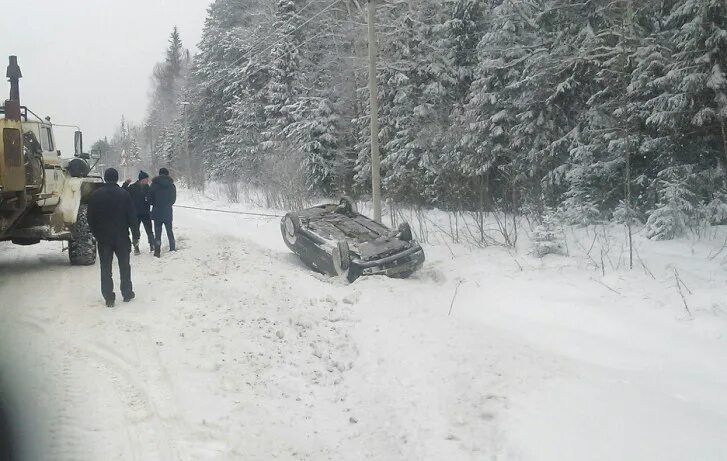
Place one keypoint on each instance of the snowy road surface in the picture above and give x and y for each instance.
(233, 350)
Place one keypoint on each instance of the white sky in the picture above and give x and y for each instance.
(87, 62)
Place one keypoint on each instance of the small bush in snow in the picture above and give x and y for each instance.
(715, 212)
(624, 214)
(548, 238)
(675, 209)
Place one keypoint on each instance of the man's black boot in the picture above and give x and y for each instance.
(110, 302)
(129, 297)
(136, 249)
(157, 252)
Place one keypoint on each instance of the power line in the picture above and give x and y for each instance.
(248, 213)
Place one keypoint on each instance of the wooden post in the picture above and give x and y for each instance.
(375, 159)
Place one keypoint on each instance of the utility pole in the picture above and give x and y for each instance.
(627, 182)
(375, 160)
(150, 138)
(187, 157)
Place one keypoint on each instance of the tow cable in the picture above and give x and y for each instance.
(247, 213)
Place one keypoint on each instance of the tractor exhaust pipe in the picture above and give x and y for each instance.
(12, 106)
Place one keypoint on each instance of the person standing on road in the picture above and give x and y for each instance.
(162, 195)
(139, 192)
(111, 214)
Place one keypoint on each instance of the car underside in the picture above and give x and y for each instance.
(336, 240)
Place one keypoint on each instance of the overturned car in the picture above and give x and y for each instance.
(336, 240)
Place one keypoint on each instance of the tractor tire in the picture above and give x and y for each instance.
(82, 246)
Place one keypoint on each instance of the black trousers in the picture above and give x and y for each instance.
(106, 252)
(145, 219)
(158, 233)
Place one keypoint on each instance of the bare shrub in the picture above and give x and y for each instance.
(231, 187)
(284, 185)
(491, 228)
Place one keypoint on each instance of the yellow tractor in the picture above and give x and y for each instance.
(43, 196)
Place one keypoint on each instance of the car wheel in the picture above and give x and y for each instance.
(347, 205)
(290, 228)
(405, 232)
(341, 257)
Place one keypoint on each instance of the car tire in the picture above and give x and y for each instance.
(290, 228)
(341, 257)
(82, 246)
(405, 232)
(348, 205)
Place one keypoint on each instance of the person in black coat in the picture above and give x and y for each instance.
(139, 192)
(111, 214)
(162, 195)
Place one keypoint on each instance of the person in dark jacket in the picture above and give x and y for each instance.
(139, 192)
(111, 214)
(162, 195)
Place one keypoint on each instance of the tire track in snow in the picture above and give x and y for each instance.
(222, 322)
(98, 393)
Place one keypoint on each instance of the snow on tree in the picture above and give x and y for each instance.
(283, 87)
(607, 109)
(675, 210)
(548, 238)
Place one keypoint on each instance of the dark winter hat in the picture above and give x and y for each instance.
(143, 175)
(163, 172)
(111, 175)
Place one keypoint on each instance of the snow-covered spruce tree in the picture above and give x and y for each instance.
(314, 129)
(283, 86)
(675, 210)
(456, 39)
(317, 126)
(689, 109)
(134, 154)
(458, 36)
(119, 145)
(240, 152)
(548, 237)
(215, 82)
(553, 91)
(486, 150)
(169, 89)
(406, 110)
(624, 63)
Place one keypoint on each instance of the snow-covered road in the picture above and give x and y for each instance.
(233, 350)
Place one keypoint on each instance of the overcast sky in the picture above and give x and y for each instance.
(87, 62)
